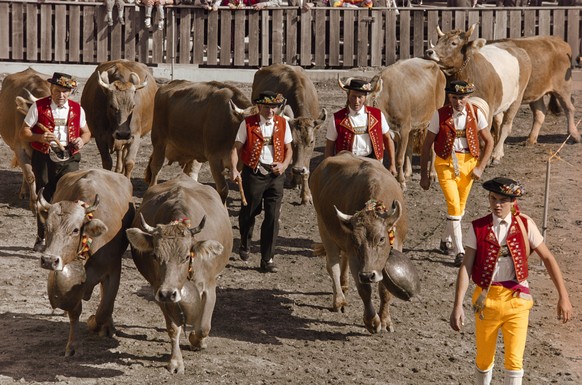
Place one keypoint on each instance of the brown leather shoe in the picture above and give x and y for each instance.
(268, 267)
(244, 255)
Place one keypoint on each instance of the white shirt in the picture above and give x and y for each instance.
(362, 145)
(267, 127)
(505, 271)
(60, 115)
(459, 120)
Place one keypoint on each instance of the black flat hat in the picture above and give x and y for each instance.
(269, 98)
(63, 80)
(504, 186)
(460, 87)
(358, 85)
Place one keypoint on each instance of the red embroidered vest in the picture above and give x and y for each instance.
(346, 134)
(488, 250)
(45, 117)
(445, 139)
(251, 150)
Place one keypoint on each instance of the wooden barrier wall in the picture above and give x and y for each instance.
(77, 32)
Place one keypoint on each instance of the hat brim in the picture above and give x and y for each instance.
(51, 81)
(348, 88)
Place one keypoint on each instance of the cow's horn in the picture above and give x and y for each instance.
(440, 33)
(144, 224)
(471, 29)
(343, 217)
(31, 97)
(396, 212)
(339, 81)
(103, 78)
(134, 78)
(197, 229)
(235, 108)
(430, 43)
(41, 203)
(93, 207)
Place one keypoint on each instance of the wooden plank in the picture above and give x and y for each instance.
(559, 23)
(473, 18)
(130, 32)
(405, 42)
(171, 48)
(529, 17)
(239, 38)
(116, 37)
(277, 36)
(254, 31)
(391, 43)
(377, 43)
(46, 35)
(18, 31)
(334, 37)
(447, 20)
(419, 33)
(487, 29)
(31, 32)
(198, 17)
(102, 35)
(362, 36)
(306, 37)
(431, 33)
(4, 31)
(514, 24)
(88, 50)
(348, 37)
(544, 22)
(460, 20)
(158, 49)
(500, 31)
(225, 37)
(573, 35)
(265, 37)
(60, 28)
(291, 41)
(143, 48)
(212, 33)
(320, 37)
(184, 16)
(74, 31)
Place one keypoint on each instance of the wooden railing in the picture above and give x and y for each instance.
(77, 32)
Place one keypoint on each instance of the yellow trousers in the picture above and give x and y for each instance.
(511, 315)
(455, 188)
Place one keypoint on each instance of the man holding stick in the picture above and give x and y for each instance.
(56, 129)
(263, 143)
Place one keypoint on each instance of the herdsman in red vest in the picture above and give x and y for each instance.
(56, 129)
(455, 130)
(263, 143)
(498, 247)
(358, 128)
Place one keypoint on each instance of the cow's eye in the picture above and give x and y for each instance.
(382, 241)
(75, 231)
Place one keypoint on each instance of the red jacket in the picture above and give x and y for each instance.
(45, 117)
(346, 134)
(251, 150)
(445, 139)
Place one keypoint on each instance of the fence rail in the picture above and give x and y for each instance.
(77, 32)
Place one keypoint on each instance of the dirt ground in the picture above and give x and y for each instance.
(277, 328)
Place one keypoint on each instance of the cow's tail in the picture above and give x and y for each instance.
(318, 250)
(554, 106)
(148, 172)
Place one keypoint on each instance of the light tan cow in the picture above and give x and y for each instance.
(181, 262)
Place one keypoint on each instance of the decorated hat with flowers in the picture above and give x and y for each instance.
(357, 85)
(504, 186)
(460, 87)
(63, 80)
(270, 98)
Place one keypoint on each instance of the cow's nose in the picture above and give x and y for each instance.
(121, 135)
(429, 53)
(50, 262)
(367, 277)
(169, 295)
(299, 170)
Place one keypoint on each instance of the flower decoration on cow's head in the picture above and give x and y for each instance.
(460, 87)
(270, 98)
(63, 80)
(184, 221)
(504, 186)
(376, 206)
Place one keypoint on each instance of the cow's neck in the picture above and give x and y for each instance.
(453, 72)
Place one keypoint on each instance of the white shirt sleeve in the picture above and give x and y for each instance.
(481, 121)
(534, 236)
(288, 136)
(241, 135)
(32, 116)
(83, 118)
(385, 126)
(331, 133)
(433, 126)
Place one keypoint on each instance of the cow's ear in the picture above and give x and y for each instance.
(140, 240)
(208, 249)
(95, 227)
(396, 213)
(477, 44)
(321, 118)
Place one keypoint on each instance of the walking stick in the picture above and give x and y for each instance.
(243, 199)
(43, 127)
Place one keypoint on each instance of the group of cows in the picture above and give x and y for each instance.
(181, 237)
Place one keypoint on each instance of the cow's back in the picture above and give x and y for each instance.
(179, 197)
(293, 83)
(412, 89)
(195, 120)
(95, 104)
(348, 182)
(13, 86)
(115, 192)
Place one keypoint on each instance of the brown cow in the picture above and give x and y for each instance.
(193, 123)
(118, 100)
(551, 59)
(84, 244)
(24, 86)
(411, 91)
(182, 263)
(294, 84)
(361, 215)
(500, 72)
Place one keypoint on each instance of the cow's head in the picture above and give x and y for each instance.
(453, 50)
(372, 231)
(174, 248)
(121, 99)
(69, 228)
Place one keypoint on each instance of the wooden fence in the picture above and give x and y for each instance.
(77, 32)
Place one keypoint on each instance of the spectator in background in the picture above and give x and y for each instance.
(149, 6)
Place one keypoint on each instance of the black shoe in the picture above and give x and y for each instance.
(268, 267)
(446, 247)
(244, 255)
(459, 259)
(39, 245)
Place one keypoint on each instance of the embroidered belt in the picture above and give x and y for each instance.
(461, 133)
(359, 130)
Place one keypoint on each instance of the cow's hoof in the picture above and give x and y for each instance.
(197, 343)
(70, 350)
(103, 330)
(529, 143)
(176, 367)
(373, 326)
(495, 161)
